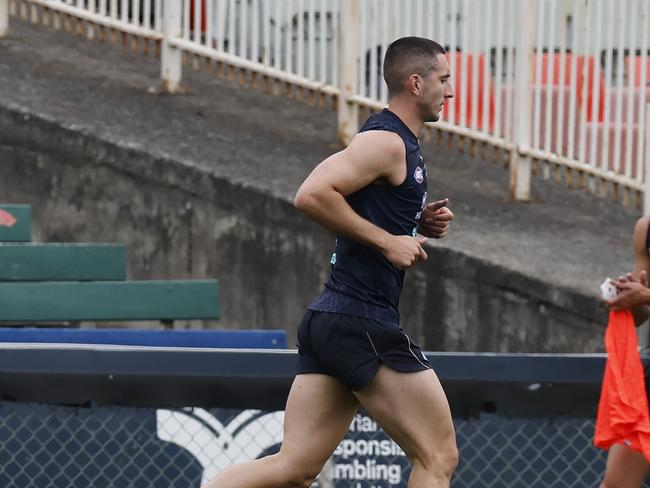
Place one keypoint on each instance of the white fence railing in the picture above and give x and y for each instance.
(140, 18)
(573, 107)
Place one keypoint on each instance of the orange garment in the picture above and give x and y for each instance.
(623, 409)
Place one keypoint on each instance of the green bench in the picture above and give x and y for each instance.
(62, 262)
(109, 300)
(86, 282)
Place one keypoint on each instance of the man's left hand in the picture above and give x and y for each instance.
(435, 220)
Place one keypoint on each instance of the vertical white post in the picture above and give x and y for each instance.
(171, 60)
(646, 183)
(348, 112)
(520, 161)
(4, 17)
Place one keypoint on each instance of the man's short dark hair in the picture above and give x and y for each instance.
(406, 56)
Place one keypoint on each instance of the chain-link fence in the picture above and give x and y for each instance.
(56, 446)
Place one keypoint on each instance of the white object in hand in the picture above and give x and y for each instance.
(608, 289)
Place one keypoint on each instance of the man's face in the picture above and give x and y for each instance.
(436, 89)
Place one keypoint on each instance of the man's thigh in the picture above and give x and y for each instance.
(412, 408)
(318, 414)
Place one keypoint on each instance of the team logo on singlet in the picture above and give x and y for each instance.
(418, 175)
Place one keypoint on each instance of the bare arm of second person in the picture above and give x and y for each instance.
(371, 156)
(633, 288)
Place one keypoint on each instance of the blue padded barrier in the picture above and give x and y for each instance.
(212, 338)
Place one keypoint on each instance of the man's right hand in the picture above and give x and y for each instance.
(404, 251)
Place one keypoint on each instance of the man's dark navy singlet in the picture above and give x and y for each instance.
(363, 282)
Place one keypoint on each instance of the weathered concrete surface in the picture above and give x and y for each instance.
(201, 185)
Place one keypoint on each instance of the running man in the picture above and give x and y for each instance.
(352, 350)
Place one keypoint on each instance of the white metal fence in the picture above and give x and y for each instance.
(93, 18)
(574, 107)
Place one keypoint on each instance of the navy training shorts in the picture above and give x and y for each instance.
(352, 348)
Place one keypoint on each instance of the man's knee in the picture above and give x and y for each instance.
(449, 458)
(300, 482)
(297, 474)
(441, 459)
(299, 478)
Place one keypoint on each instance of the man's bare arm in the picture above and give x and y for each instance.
(371, 156)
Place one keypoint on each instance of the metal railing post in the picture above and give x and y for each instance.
(4, 17)
(520, 160)
(646, 182)
(348, 38)
(171, 56)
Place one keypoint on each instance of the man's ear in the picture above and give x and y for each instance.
(415, 84)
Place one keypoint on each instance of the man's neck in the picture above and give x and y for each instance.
(407, 114)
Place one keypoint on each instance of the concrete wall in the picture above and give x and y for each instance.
(179, 221)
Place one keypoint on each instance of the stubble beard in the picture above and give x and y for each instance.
(433, 118)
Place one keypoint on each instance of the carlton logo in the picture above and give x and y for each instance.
(418, 175)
